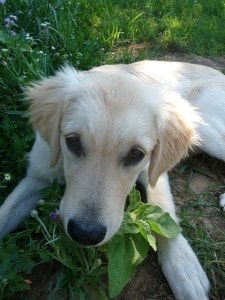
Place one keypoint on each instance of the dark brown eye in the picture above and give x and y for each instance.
(134, 156)
(74, 144)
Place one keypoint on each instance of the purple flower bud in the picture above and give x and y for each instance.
(54, 216)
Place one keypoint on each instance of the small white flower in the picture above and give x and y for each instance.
(7, 177)
(98, 262)
(13, 17)
(45, 24)
(28, 37)
(41, 202)
(34, 213)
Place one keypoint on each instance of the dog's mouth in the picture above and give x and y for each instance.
(91, 233)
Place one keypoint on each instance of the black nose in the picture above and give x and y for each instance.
(87, 234)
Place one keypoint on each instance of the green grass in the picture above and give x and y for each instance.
(41, 36)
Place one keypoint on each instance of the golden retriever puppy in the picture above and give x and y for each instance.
(105, 129)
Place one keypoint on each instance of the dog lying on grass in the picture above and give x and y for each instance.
(107, 128)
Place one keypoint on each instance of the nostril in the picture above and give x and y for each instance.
(87, 234)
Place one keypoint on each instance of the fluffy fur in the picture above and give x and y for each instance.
(106, 128)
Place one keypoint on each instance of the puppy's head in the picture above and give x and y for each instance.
(107, 128)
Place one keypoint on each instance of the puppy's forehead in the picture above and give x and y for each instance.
(110, 106)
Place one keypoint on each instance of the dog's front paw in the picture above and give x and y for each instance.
(222, 202)
(182, 269)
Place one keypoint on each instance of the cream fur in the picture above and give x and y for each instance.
(162, 109)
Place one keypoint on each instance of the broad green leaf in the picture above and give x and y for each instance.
(152, 241)
(128, 228)
(149, 212)
(6, 38)
(160, 221)
(12, 41)
(146, 232)
(165, 226)
(125, 252)
(23, 46)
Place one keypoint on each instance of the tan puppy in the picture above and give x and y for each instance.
(106, 128)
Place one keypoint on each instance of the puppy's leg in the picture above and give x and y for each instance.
(210, 103)
(222, 201)
(178, 261)
(213, 142)
(25, 196)
(19, 203)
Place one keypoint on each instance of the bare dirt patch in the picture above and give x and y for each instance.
(216, 63)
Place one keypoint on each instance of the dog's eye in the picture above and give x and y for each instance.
(73, 143)
(134, 156)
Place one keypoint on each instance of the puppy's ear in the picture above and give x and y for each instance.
(47, 98)
(176, 131)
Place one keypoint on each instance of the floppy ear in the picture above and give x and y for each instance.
(176, 126)
(47, 98)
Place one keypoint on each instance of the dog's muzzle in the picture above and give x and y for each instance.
(87, 234)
